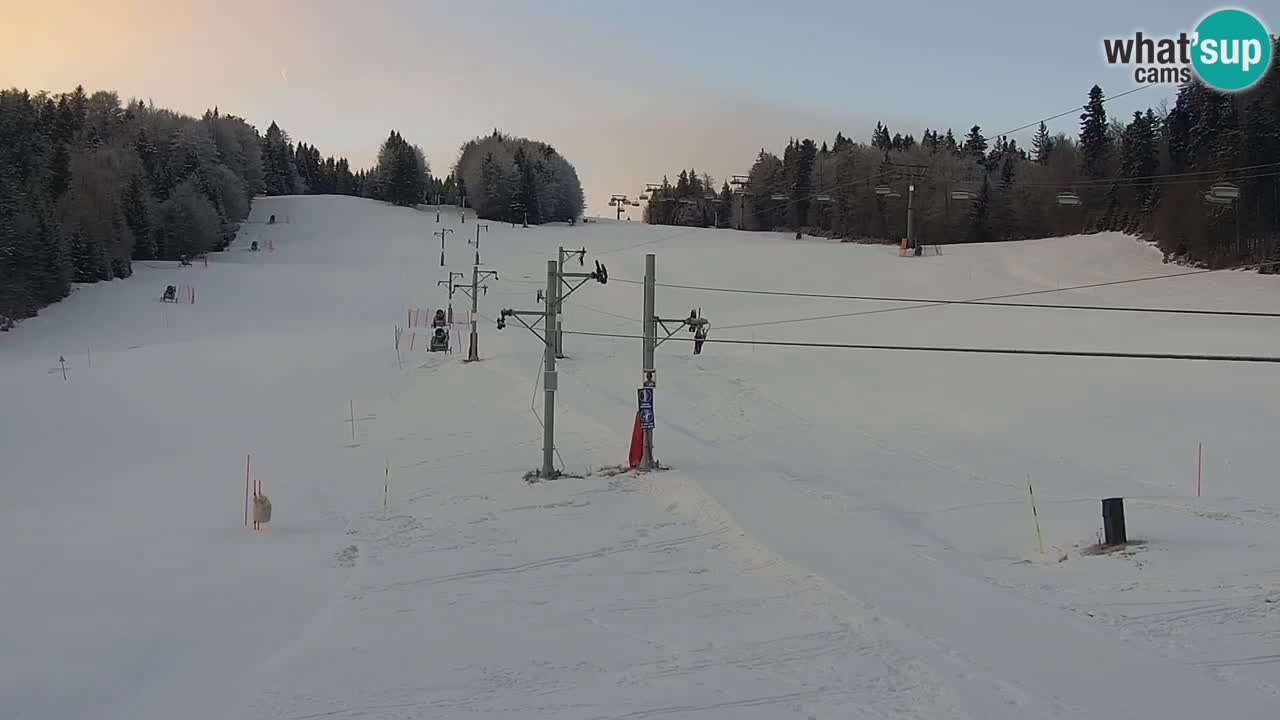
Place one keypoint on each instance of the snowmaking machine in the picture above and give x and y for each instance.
(439, 333)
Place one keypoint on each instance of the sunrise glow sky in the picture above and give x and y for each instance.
(627, 91)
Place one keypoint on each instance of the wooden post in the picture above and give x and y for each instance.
(1199, 468)
(246, 490)
(1035, 515)
(353, 421)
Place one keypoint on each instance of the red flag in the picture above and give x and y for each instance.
(637, 444)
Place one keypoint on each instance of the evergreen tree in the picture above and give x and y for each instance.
(980, 214)
(1095, 142)
(726, 206)
(1006, 225)
(279, 173)
(950, 143)
(806, 156)
(60, 172)
(1042, 145)
(975, 145)
(137, 214)
(1138, 159)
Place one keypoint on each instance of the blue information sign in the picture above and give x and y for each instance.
(645, 398)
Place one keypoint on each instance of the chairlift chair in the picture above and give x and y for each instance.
(1226, 191)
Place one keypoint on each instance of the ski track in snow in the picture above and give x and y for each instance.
(843, 535)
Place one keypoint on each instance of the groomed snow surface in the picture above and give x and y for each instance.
(844, 533)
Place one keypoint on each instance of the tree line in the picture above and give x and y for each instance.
(89, 185)
(1145, 174)
(517, 180)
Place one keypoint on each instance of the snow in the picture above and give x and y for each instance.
(844, 534)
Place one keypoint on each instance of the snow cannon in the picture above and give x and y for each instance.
(440, 340)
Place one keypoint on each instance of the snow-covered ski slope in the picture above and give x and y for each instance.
(845, 533)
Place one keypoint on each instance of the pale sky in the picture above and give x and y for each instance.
(627, 91)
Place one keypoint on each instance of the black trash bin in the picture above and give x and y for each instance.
(1113, 521)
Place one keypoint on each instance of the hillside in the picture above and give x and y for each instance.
(844, 533)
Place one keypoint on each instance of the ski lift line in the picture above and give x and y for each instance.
(1065, 113)
(1028, 293)
(1177, 175)
(987, 303)
(603, 312)
(971, 350)
(1141, 182)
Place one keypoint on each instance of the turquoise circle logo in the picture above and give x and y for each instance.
(1232, 50)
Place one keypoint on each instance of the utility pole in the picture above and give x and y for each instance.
(740, 184)
(550, 381)
(437, 207)
(561, 255)
(477, 243)
(549, 377)
(473, 351)
(620, 201)
(442, 232)
(912, 172)
(911, 198)
(649, 374)
(448, 285)
(551, 299)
